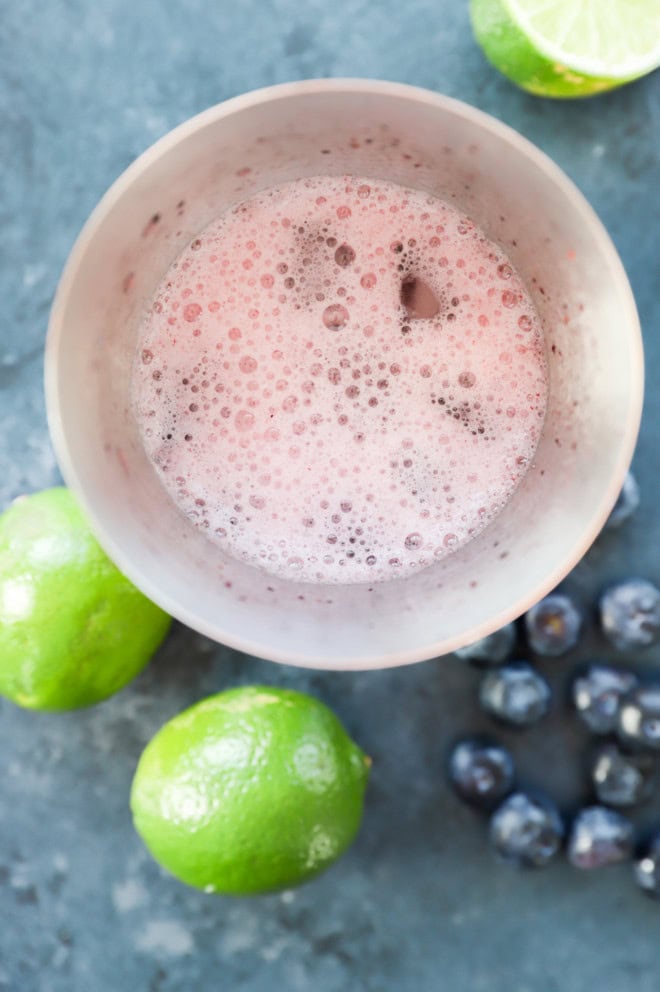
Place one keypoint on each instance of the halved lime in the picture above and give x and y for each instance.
(569, 48)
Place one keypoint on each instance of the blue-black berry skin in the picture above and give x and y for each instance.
(621, 779)
(626, 504)
(516, 694)
(553, 625)
(599, 837)
(526, 831)
(639, 718)
(481, 772)
(630, 614)
(597, 694)
(647, 868)
(492, 649)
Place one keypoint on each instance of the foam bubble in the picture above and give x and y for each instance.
(335, 316)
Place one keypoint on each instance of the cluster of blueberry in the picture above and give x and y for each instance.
(526, 828)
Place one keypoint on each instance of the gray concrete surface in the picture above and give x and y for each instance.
(418, 904)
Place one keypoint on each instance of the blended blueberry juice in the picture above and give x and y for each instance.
(340, 380)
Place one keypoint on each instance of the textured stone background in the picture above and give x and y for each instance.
(418, 904)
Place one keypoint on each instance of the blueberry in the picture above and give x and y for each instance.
(622, 779)
(639, 717)
(553, 625)
(599, 837)
(492, 649)
(480, 772)
(647, 869)
(626, 504)
(515, 693)
(597, 696)
(630, 614)
(526, 830)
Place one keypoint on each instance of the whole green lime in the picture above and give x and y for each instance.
(249, 791)
(73, 629)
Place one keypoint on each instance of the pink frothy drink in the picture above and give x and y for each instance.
(341, 380)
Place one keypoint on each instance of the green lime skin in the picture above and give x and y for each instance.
(252, 790)
(73, 629)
